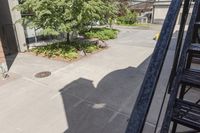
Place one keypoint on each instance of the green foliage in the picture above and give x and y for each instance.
(110, 11)
(101, 33)
(53, 16)
(65, 50)
(87, 47)
(85, 12)
(129, 18)
(122, 6)
(91, 49)
(61, 16)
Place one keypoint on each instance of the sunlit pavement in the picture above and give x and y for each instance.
(93, 95)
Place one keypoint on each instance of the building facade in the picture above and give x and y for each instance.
(160, 9)
(3, 66)
(12, 37)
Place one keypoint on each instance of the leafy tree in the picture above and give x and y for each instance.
(64, 16)
(110, 11)
(53, 16)
(87, 12)
(123, 7)
(129, 18)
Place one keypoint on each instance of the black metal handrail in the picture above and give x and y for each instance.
(181, 64)
(184, 17)
(143, 102)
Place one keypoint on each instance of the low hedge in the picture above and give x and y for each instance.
(101, 33)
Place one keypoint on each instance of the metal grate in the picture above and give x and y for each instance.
(43, 74)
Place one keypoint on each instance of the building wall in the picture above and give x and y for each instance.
(5, 15)
(3, 67)
(12, 33)
(160, 11)
(159, 14)
(12, 38)
(2, 57)
(16, 15)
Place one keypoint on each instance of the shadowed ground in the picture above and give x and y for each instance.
(92, 95)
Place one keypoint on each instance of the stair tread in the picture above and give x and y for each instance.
(197, 23)
(191, 77)
(195, 48)
(187, 113)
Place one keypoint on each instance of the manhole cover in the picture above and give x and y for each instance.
(43, 74)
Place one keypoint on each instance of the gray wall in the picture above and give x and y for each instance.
(12, 34)
(9, 40)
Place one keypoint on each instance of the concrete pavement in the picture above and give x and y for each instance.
(93, 95)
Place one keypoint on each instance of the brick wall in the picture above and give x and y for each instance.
(3, 67)
(2, 57)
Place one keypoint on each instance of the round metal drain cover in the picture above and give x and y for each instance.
(43, 74)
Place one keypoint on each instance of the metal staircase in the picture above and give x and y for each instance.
(182, 79)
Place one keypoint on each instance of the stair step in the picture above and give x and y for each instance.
(194, 48)
(197, 23)
(187, 114)
(196, 60)
(191, 77)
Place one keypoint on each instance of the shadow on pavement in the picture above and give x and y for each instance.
(106, 107)
(10, 60)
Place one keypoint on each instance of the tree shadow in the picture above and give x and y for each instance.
(106, 107)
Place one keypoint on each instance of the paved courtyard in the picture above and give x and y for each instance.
(93, 95)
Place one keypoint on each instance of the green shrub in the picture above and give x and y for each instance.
(129, 18)
(91, 49)
(71, 55)
(101, 33)
(64, 50)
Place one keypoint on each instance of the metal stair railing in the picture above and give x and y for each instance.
(180, 70)
(184, 17)
(144, 99)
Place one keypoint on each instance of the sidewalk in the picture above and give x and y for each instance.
(93, 95)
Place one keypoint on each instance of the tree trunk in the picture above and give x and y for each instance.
(91, 26)
(68, 37)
